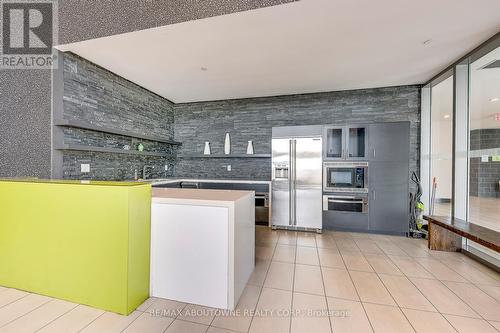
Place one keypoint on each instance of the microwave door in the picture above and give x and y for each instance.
(342, 177)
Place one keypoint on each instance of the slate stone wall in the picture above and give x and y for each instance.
(253, 119)
(96, 97)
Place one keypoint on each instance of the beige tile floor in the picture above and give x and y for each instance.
(304, 282)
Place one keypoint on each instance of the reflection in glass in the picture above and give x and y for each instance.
(334, 143)
(484, 141)
(442, 145)
(357, 142)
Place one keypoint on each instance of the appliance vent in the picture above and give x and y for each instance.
(493, 64)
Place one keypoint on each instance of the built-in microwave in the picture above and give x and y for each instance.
(345, 177)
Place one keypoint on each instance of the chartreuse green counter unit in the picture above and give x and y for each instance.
(85, 242)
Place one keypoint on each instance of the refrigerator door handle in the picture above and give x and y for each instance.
(346, 201)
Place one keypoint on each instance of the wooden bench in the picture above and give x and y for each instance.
(445, 234)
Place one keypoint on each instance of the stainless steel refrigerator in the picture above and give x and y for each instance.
(297, 178)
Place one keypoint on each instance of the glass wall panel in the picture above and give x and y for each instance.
(461, 178)
(425, 146)
(484, 141)
(442, 147)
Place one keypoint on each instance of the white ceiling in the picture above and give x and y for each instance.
(484, 89)
(302, 47)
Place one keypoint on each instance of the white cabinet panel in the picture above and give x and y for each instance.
(189, 254)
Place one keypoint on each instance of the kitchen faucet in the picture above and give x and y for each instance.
(145, 169)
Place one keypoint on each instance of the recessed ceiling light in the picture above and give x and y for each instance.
(446, 116)
(494, 99)
(203, 68)
(427, 42)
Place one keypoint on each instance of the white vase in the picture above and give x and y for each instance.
(227, 145)
(250, 148)
(206, 151)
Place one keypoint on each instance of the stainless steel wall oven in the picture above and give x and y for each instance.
(346, 203)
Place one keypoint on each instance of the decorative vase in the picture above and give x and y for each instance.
(206, 151)
(227, 145)
(250, 148)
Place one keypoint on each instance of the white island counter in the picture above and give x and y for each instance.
(202, 245)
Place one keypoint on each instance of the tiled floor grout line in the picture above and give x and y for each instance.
(175, 318)
(260, 292)
(416, 288)
(458, 273)
(451, 324)
(463, 300)
(359, 297)
(491, 325)
(361, 302)
(324, 289)
(444, 263)
(442, 315)
(481, 286)
(17, 299)
(408, 320)
(367, 302)
(399, 306)
(435, 278)
(467, 281)
(187, 321)
(131, 322)
(77, 305)
(142, 312)
(225, 329)
(386, 289)
(84, 327)
(212, 321)
(293, 288)
(488, 271)
(50, 300)
(404, 275)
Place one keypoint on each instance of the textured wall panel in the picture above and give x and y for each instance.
(25, 123)
(95, 96)
(87, 19)
(252, 119)
(100, 98)
(105, 166)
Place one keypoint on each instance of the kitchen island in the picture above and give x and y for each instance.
(202, 245)
(262, 189)
(82, 241)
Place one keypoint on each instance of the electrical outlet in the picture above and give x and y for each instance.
(229, 167)
(85, 168)
(166, 167)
